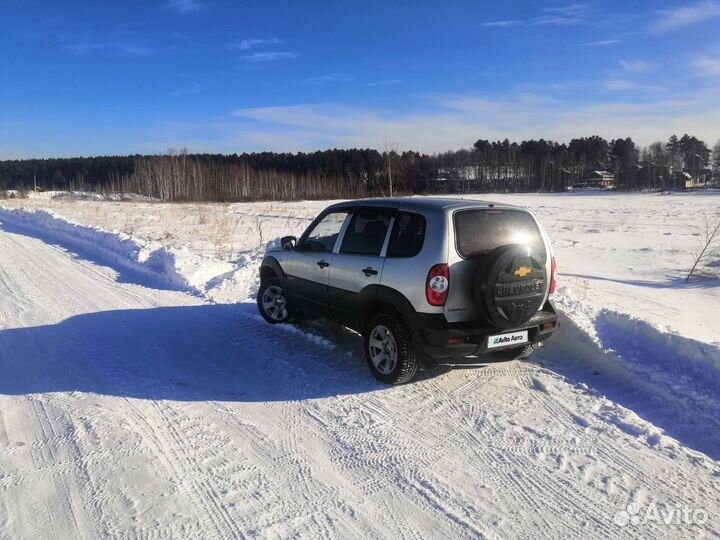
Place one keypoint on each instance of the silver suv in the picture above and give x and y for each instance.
(424, 280)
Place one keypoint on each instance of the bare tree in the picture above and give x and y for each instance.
(391, 158)
(707, 256)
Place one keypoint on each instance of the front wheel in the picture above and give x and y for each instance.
(389, 350)
(272, 301)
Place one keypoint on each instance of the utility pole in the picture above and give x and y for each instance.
(34, 183)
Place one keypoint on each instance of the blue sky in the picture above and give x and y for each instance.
(117, 77)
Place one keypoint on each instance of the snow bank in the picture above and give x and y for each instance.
(665, 382)
(118, 250)
(86, 196)
(149, 262)
(645, 346)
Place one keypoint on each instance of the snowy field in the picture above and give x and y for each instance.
(142, 396)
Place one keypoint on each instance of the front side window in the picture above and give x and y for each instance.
(408, 235)
(366, 233)
(323, 235)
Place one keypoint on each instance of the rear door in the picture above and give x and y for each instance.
(308, 267)
(478, 233)
(359, 262)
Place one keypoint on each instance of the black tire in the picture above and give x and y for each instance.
(277, 317)
(518, 353)
(406, 364)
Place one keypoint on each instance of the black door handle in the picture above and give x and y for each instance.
(369, 271)
(323, 264)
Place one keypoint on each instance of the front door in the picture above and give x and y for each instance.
(307, 268)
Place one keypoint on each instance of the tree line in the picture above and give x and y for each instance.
(489, 166)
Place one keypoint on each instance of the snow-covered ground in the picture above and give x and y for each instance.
(142, 396)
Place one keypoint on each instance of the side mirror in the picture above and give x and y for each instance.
(288, 242)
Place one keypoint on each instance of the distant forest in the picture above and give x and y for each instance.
(489, 166)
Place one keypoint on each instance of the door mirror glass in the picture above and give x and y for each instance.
(288, 242)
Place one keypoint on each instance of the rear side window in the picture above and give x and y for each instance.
(366, 233)
(407, 236)
(480, 231)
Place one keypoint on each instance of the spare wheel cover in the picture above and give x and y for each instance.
(513, 288)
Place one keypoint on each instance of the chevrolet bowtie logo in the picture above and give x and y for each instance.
(522, 271)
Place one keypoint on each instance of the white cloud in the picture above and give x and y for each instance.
(457, 121)
(194, 88)
(337, 77)
(542, 20)
(556, 21)
(387, 82)
(570, 10)
(602, 43)
(246, 44)
(562, 15)
(619, 84)
(184, 6)
(616, 84)
(502, 23)
(327, 77)
(268, 56)
(636, 66)
(554, 16)
(706, 66)
(687, 15)
(111, 48)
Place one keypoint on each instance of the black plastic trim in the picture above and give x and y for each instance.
(271, 262)
(434, 332)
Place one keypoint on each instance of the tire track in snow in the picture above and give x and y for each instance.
(562, 413)
(204, 491)
(48, 455)
(613, 458)
(579, 499)
(171, 446)
(484, 443)
(151, 420)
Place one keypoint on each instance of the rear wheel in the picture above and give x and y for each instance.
(515, 354)
(389, 350)
(272, 301)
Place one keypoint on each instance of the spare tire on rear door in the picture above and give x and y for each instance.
(510, 285)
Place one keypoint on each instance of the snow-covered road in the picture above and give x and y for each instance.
(128, 410)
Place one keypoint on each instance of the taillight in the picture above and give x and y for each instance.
(553, 276)
(437, 285)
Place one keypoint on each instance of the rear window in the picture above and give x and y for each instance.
(480, 231)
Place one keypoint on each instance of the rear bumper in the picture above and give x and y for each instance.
(440, 341)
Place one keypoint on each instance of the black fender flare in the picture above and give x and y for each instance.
(270, 263)
(373, 295)
(377, 296)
